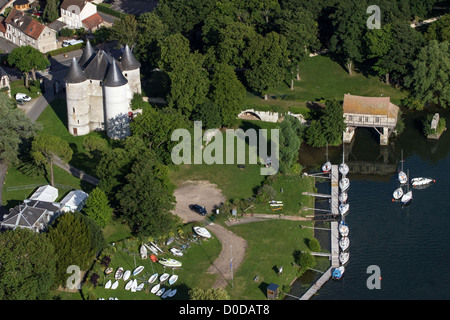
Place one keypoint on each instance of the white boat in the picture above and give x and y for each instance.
(164, 277)
(173, 279)
(338, 272)
(344, 183)
(134, 286)
(169, 241)
(126, 275)
(152, 249)
(160, 291)
(407, 197)
(343, 229)
(119, 273)
(326, 167)
(128, 285)
(170, 262)
(176, 252)
(398, 193)
(172, 293)
(108, 271)
(415, 182)
(138, 270)
(152, 278)
(343, 257)
(343, 169)
(140, 287)
(202, 232)
(343, 208)
(155, 288)
(143, 252)
(108, 284)
(343, 196)
(157, 248)
(344, 243)
(166, 293)
(402, 177)
(115, 285)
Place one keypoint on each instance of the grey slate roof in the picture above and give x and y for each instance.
(128, 61)
(30, 214)
(88, 54)
(75, 73)
(114, 77)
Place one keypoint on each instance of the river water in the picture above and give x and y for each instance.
(410, 245)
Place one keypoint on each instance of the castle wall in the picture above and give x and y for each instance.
(78, 108)
(134, 80)
(116, 110)
(97, 117)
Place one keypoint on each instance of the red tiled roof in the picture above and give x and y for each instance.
(24, 23)
(92, 21)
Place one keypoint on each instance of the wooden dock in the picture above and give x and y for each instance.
(313, 290)
(334, 190)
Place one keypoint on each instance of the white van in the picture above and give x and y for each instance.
(67, 43)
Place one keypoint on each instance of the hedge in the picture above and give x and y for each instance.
(105, 9)
(65, 49)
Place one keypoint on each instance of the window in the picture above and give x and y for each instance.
(377, 120)
(73, 109)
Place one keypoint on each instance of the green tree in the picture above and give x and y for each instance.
(125, 31)
(306, 261)
(290, 140)
(51, 10)
(97, 208)
(28, 264)
(208, 294)
(28, 59)
(72, 238)
(45, 147)
(227, 92)
(15, 128)
(430, 80)
(268, 61)
(314, 245)
(314, 134)
(94, 145)
(147, 199)
(349, 22)
(209, 114)
(378, 43)
(439, 30)
(333, 122)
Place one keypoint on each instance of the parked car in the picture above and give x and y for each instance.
(22, 97)
(198, 208)
(67, 43)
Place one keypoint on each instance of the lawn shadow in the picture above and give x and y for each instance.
(263, 286)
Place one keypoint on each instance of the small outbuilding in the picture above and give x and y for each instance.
(272, 291)
(45, 193)
(74, 201)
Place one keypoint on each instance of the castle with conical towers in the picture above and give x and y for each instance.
(99, 90)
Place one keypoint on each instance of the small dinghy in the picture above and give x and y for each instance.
(134, 285)
(160, 292)
(166, 294)
(143, 251)
(343, 257)
(164, 277)
(172, 293)
(343, 197)
(407, 197)
(202, 232)
(170, 263)
(176, 252)
(138, 270)
(344, 183)
(126, 275)
(402, 177)
(108, 284)
(338, 273)
(169, 241)
(152, 249)
(344, 243)
(119, 274)
(343, 169)
(128, 285)
(326, 167)
(343, 229)
(108, 271)
(115, 285)
(140, 287)
(173, 279)
(416, 182)
(152, 278)
(155, 288)
(398, 193)
(343, 208)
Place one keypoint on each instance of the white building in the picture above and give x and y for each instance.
(73, 12)
(99, 90)
(45, 193)
(74, 201)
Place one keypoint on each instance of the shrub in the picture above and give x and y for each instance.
(314, 245)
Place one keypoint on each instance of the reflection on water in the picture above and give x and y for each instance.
(410, 245)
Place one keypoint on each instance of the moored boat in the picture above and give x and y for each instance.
(343, 169)
(202, 232)
(143, 252)
(407, 197)
(173, 279)
(170, 262)
(152, 278)
(416, 182)
(108, 284)
(138, 270)
(126, 275)
(326, 167)
(164, 277)
(398, 193)
(343, 208)
(160, 291)
(344, 243)
(115, 285)
(176, 252)
(344, 183)
(108, 271)
(338, 272)
(155, 288)
(343, 257)
(402, 177)
(343, 196)
(119, 273)
(343, 229)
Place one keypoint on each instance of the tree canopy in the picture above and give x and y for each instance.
(28, 59)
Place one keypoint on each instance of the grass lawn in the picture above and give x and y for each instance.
(321, 79)
(196, 261)
(18, 86)
(271, 244)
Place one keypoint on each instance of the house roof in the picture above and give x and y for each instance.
(79, 3)
(29, 213)
(88, 54)
(369, 105)
(75, 73)
(74, 198)
(114, 77)
(20, 2)
(57, 25)
(45, 193)
(92, 21)
(24, 23)
(128, 61)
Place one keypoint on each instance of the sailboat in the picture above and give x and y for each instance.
(343, 167)
(343, 229)
(338, 272)
(343, 208)
(326, 167)
(402, 177)
(398, 193)
(407, 197)
(343, 196)
(344, 243)
(344, 183)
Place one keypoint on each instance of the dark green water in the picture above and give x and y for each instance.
(410, 245)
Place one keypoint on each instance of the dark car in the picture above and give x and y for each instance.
(199, 209)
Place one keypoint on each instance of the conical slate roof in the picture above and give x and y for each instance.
(75, 73)
(128, 61)
(88, 54)
(114, 77)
